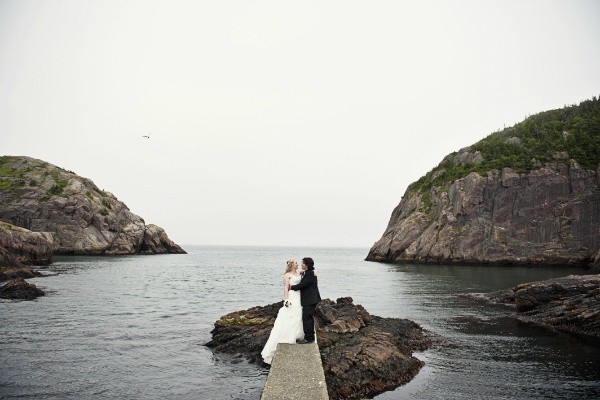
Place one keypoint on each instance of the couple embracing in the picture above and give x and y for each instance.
(295, 320)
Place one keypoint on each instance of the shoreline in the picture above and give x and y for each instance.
(584, 264)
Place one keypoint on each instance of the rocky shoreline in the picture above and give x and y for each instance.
(570, 304)
(20, 248)
(46, 210)
(362, 354)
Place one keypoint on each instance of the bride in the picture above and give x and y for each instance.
(288, 324)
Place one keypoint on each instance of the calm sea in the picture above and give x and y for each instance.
(134, 327)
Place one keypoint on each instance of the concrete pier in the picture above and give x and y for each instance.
(296, 373)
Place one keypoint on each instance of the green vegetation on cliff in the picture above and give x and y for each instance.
(16, 173)
(571, 132)
(10, 178)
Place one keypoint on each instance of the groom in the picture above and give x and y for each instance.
(309, 298)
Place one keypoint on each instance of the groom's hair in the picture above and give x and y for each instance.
(309, 263)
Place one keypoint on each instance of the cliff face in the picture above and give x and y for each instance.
(527, 195)
(547, 216)
(83, 219)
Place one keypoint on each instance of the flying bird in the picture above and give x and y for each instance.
(147, 136)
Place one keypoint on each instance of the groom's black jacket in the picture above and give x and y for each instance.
(309, 290)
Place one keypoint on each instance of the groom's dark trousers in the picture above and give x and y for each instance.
(309, 298)
(308, 322)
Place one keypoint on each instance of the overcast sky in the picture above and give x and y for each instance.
(279, 122)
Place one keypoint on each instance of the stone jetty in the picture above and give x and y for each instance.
(296, 374)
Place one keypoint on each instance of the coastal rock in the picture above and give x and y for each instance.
(156, 241)
(24, 246)
(501, 297)
(19, 289)
(365, 355)
(23, 271)
(362, 355)
(569, 304)
(529, 194)
(548, 216)
(83, 219)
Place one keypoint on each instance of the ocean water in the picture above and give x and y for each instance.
(134, 327)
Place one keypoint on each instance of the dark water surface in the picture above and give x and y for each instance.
(134, 327)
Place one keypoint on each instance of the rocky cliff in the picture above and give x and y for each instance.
(82, 219)
(529, 194)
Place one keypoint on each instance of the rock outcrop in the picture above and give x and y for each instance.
(527, 195)
(20, 248)
(24, 247)
(156, 240)
(19, 289)
(362, 355)
(23, 271)
(548, 216)
(82, 218)
(570, 304)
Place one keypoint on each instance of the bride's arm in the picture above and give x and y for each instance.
(286, 286)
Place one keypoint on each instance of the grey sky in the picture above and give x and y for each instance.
(279, 122)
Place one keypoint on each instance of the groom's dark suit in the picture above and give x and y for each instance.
(309, 298)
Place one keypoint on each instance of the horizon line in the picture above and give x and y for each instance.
(280, 245)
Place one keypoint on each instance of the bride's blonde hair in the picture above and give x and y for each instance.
(290, 265)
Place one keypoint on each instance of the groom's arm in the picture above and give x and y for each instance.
(305, 282)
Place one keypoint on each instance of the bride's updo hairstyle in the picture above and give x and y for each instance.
(290, 266)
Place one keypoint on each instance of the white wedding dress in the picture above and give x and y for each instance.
(288, 324)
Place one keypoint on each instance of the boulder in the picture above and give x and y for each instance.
(362, 354)
(82, 218)
(19, 289)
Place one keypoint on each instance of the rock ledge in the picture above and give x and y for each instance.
(570, 304)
